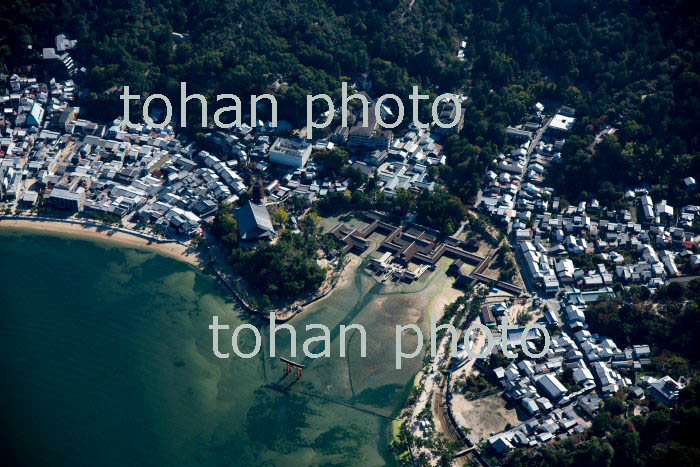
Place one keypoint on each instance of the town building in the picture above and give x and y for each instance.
(254, 224)
(290, 153)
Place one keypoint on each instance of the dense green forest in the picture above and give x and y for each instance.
(632, 64)
(283, 270)
(669, 320)
(279, 271)
(438, 209)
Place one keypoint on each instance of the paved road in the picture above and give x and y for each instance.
(533, 145)
(683, 279)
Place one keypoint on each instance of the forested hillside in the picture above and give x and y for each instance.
(632, 64)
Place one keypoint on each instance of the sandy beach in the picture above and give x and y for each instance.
(174, 250)
(346, 276)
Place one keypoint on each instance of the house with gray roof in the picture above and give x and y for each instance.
(254, 223)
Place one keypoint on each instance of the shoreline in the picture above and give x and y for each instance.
(105, 233)
(93, 231)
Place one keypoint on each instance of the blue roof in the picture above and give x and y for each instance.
(36, 115)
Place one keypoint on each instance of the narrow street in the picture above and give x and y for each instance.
(533, 145)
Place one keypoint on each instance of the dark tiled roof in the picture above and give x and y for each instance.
(254, 222)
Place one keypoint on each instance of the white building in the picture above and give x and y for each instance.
(291, 153)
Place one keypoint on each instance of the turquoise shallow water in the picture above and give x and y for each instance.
(105, 360)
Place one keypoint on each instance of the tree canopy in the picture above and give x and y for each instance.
(631, 64)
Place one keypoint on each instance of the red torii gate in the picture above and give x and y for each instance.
(290, 366)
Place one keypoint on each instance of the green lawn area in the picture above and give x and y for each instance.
(351, 220)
